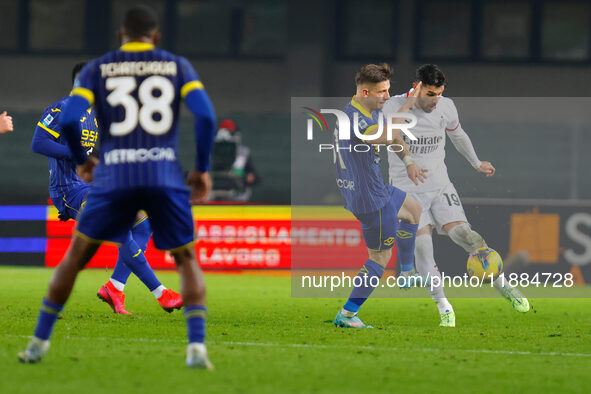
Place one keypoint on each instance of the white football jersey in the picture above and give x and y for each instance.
(429, 151)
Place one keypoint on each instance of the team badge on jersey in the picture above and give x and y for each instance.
(362, 124)
(47, 121)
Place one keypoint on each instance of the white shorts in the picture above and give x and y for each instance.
(440, 207)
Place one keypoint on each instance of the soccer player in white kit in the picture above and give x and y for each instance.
(437, 116)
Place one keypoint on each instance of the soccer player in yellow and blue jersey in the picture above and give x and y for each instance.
(68, 193)
(136, 92)
(386, 213)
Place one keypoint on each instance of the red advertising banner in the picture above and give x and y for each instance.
(326, 238)
(246, 237)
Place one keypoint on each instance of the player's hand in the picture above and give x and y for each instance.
(412, 98)
(5, 123)
(63, 217)
(86, 171)
(486, 168)
(200, 183)
(416, 173)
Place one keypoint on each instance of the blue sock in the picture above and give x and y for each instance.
(195, 316)
(141, 234)
(121, 272)
(133, 257)
(370, 270)
(47, 317)
(405, 239)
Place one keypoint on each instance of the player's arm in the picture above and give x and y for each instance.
(463, 144)
(82, 97)
(70, 118)
(46, 134)
(415, 173)
(45, 144)
(407, 106)
(205, 121)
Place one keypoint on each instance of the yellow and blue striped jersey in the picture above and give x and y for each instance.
(136, 92)
(49, 141)
(358, 172)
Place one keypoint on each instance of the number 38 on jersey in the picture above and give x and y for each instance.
(149, 105)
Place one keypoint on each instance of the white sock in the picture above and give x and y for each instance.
(425, 263)
(347, 313)
(118, 285)
(158, 291)
(199, 346)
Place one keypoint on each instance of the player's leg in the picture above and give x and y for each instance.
(369, 278)
(170, 216)
(409, 214)
(167, 298)
(131, 259)
(107, 216)
(193, 293)
(462, 234)
(60, 287)
(70, 207)
(459, 230)
(426, 266)
(379, 231)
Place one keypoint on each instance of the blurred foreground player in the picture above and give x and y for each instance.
(68, 194)
(437, 117)
(137, 91)
(387, 214)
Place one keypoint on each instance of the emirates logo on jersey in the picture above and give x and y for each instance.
(436, 140)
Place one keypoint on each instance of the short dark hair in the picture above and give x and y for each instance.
(373, 73)
(77, 67)
(140, 21)
(430, 74)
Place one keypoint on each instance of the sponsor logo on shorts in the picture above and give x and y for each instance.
(390, 241)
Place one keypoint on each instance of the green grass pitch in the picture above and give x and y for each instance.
(263, 341)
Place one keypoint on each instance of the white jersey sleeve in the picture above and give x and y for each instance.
(459, 137)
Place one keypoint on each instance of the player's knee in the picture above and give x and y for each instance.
(463, 235)
(411, 210)
(79, 253)
(184, 256)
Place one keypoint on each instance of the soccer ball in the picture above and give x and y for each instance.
(484, 262)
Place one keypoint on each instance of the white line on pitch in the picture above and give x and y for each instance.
(313, 346)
